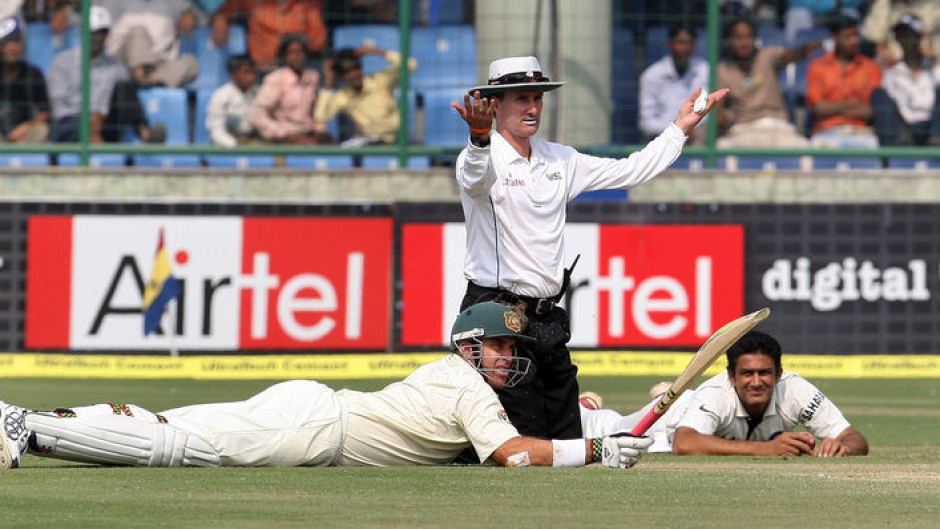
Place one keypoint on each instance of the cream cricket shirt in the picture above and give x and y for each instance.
(715, 409)
(426, 419)
(515, 208)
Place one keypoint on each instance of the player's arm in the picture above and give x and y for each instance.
(617, 451)
(848, 443)
(689, 442)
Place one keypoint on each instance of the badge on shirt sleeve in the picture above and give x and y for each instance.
(512, 321)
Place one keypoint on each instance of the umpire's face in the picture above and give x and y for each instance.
(519, 112)
(754, 378)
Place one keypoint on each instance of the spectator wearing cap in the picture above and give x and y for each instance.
(666, 83)
(283, 109)
(367, 100)
(227, 115)
(838, 91)
(145, 36)
(883, 15)
(268, 22)
(24, 102)
(754, 114)
(906, 110)
(114, 103)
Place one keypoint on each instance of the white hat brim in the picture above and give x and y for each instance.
(490, 89)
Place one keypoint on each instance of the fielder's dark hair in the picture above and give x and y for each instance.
(237, 61)
(286, 42)
(751, 343)
(346, 60)
(675, 29)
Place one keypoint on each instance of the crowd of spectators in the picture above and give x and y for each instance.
(874, 81)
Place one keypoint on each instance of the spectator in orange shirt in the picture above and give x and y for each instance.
(268, 22)
(838, 91)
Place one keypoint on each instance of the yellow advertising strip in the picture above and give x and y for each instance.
(399, 365)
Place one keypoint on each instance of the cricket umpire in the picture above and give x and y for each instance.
(514, 189)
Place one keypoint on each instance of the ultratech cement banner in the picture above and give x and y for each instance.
(638, 286)
(245, 283)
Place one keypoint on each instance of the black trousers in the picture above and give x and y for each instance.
(545, 403)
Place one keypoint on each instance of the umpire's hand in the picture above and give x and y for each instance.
(477, 112)
(689, 118)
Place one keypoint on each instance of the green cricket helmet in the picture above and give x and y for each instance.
(490, 320)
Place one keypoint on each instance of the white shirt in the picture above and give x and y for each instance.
(227, 113)
(715, 409)
(515, 209)
(914, 95)
(426, 419)
(663, 90)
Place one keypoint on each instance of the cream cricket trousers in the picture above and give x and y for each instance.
(294, 423)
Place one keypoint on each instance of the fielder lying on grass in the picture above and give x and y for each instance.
(426, 419)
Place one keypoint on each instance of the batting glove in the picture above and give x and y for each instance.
(623, 450)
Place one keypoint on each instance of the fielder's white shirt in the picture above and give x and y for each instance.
(515, 208)
(426, 419)
(715, 409)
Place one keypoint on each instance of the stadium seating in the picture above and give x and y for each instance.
(603, 194)
(42, 44)
(256, 161)
(689, 163)
(624, 88)
(318, 162)
(914, 163)
(446, 56)
(212, 60)
(95, 160)
(17, 160)
(379, 35)
(200, 132)
(443, 11)
(844, 164)
(167, 161)
(237, 40)
(768, 163)
(442, 125)
(770, 35)
(167, 106)
(391, 162)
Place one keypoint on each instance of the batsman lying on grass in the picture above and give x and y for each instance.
(751, 408)
(426, 419)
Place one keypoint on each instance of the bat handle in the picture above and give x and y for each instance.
(648, 420)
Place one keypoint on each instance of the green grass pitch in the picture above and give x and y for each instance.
(898, 485)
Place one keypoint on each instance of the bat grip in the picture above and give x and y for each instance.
(648, 420)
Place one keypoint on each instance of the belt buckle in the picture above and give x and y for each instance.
(544, 306)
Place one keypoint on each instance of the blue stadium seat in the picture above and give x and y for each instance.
(769, 163)
(167, 161)
(689, 163)
(379, 35)
(42, 44)
(657, 44)
(391, 162)
(443, 11)
(447, 57)
(200, 132)
(624, 86)
(333, 161)
(237, 40)
(771, 35)
(212, 60)
(257, 161)
(913, 163)
(167, 106)
(603, 195)
(442, 125)
(844, 164)
(70, 159)
(23, 160)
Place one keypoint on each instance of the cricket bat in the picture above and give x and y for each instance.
(716, 345)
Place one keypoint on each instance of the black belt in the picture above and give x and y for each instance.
(537, 306)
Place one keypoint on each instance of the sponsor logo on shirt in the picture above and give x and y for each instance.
(553, 176)
(502, 415)
(513, 182)
(812, 407)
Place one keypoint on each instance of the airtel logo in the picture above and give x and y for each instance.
(657, 294)
(302, 293)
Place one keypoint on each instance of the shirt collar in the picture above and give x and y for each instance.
(506, 152)
(739, 410)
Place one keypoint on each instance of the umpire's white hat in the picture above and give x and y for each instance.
(516, 73)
